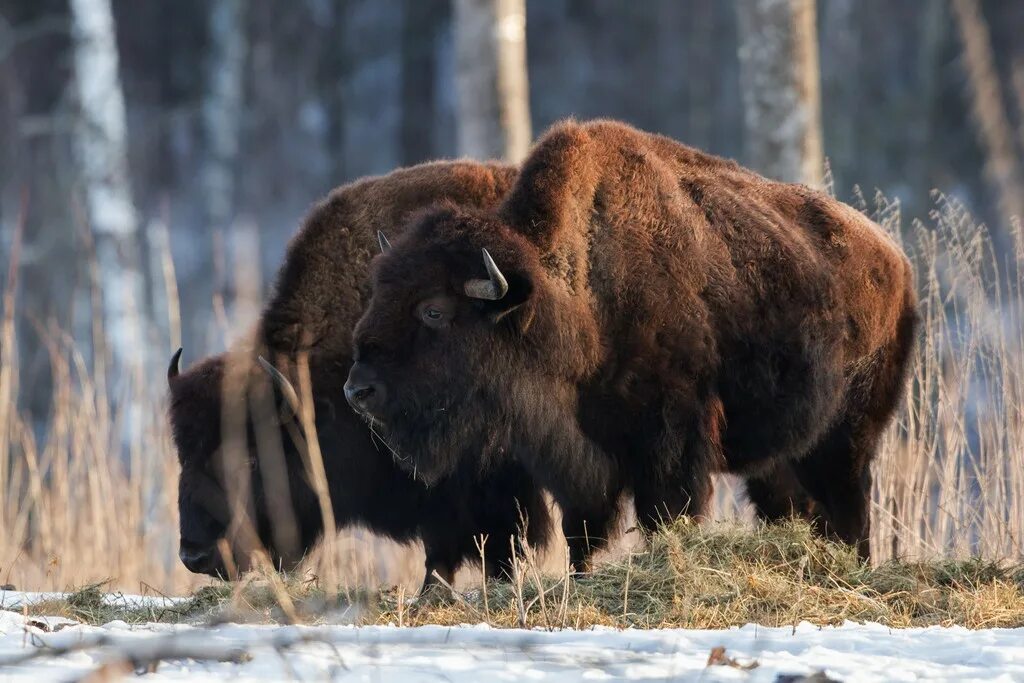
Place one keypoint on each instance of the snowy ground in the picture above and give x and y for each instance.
(478, 653)
(13, 600)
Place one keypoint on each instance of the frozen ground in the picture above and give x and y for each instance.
(478, 653)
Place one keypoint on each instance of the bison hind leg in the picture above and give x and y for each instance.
(837, 475)
(830, 488)
(837, 471)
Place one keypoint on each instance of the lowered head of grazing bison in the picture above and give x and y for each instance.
(219, 446)
(245, 484)
(637, 315)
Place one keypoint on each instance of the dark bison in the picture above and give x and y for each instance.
(319, 295)
(635, 316)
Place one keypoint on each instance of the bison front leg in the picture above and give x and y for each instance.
(673, 475)
(660, 499)
(584, 480)
(587, 518)
(435, 569)
(585, 533)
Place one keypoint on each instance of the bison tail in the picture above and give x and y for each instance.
(877, 386)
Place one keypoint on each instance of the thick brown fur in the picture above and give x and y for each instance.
(669, 314)
(319, 295)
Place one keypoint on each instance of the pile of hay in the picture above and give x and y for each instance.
(689, 576)
(718, 575)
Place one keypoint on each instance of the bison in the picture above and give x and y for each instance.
(635, 316)
(319, 295)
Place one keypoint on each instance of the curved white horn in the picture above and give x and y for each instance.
(172, 368)
(491, 289)
(291, 397)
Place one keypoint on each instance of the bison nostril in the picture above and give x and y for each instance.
(201, 557)
(199, 561)
(359, 394)
(362, 390)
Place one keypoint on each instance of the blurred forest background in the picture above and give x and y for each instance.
(151, 151)
(240, 115)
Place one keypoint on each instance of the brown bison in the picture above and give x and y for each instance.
(635, 316)
(320, 293)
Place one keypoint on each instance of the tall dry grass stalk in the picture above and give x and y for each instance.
(950, 479)
(74, 508)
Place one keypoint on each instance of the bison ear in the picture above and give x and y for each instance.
(498, 294)
(520, 289)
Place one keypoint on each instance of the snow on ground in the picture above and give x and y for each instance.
(10, 600)
(478, 653)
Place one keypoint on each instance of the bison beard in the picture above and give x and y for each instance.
(320, 293)
(635, 316)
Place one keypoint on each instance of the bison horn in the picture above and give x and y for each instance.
(172, 369)
(283, 385)
(493, 288)
(385, 246)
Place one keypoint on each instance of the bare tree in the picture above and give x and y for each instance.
(371, 94)
(842, 87)
(101, 147)
(420, 21)
(491, 81)
(995, 132)
(222, 108)
(779, 75)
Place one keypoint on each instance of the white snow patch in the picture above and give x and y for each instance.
(17, 599)
(852, 652)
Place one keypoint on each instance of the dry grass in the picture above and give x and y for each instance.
(688, 576)
(722, 575)
(78, 506)
(949, 480)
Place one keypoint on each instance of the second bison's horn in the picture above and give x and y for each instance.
(283, 385)
(385, 246)
(493, 288)
(172, 369)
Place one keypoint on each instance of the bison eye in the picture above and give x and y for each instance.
(432, 317)
(435, 313)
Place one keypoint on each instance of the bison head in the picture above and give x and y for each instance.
(445, 349)
(242, 486)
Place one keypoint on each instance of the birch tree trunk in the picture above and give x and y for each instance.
(371, 87)
(995, 132)
(419, 33)
(101, 149)
(841, 87)
(222, 108)
(491, 79)
(779, 76)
